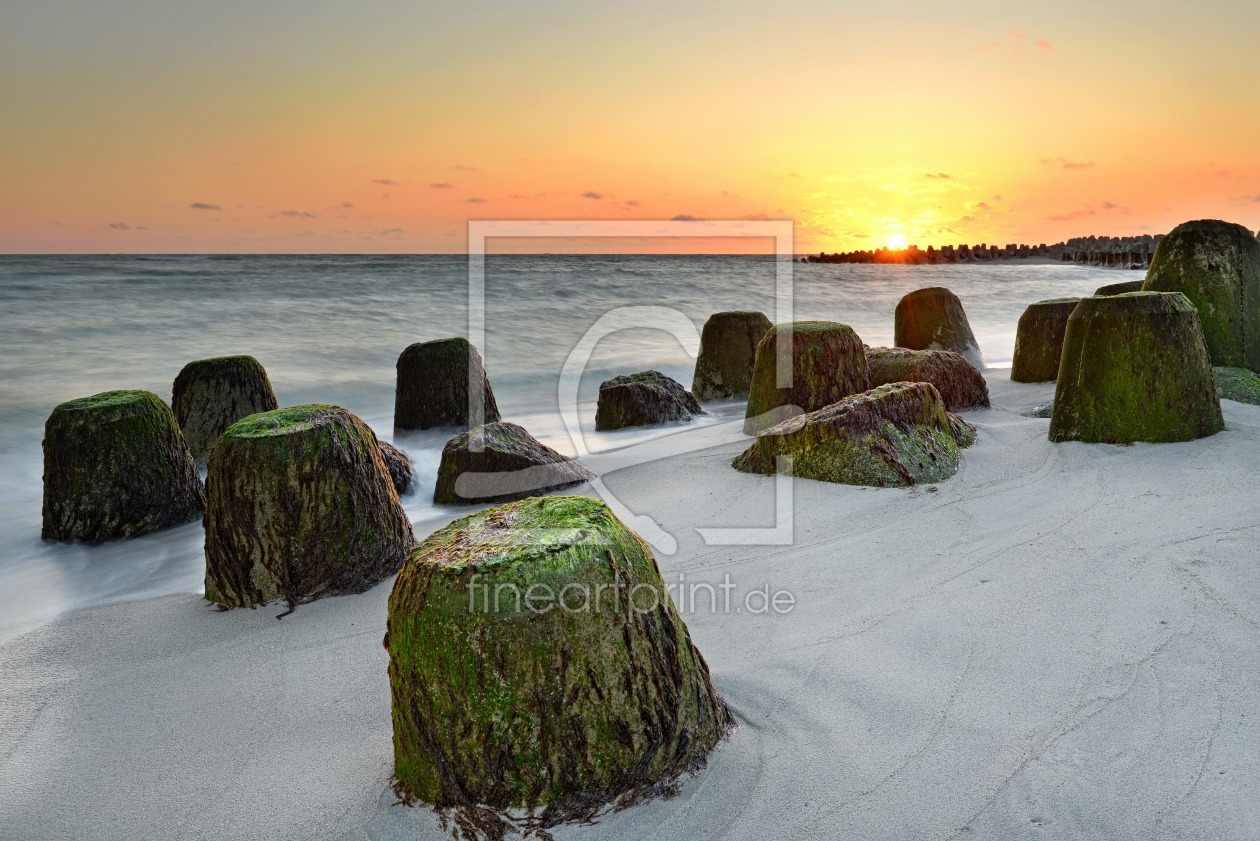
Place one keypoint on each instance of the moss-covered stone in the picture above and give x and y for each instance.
(642, 399)
(399, 466)
(728, 350)
(1135, 368)
(827, 363)
(934, 319)
(537, 661)
(893, 435)
(210, 395)
(501, 462)
(960, 385)
(433, 387)
(300, 505)
(116, 465)
(1039, 340)
(1119, 288)
(1217, 266)
(1237, 384)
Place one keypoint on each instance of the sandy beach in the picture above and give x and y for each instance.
(1061, 641)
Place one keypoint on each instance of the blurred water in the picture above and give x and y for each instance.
(328, 329)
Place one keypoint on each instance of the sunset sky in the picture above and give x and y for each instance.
(383, 126)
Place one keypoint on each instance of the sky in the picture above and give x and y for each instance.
(384, 126)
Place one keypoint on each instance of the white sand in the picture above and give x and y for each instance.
(1063, 642)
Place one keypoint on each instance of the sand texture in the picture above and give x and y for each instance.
(1062, 641)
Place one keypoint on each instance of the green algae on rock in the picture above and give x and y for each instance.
(1237, 384)
(642, 399)
(538, 662)
(1217, 266)
(300, 505)
(960, 385)
(1135, 368)
(116, 465)
(826, 362)
(1119, 288)
(893, 435)
(934, 319)
(210, 395)
(501, 462)
(433, 387)
(1039, 340)
(398, 463)
(728, 350)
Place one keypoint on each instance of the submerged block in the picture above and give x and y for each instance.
(116, 465)
(300, 505)
(728, 351)
(1135, 368)
(537, 662)
(1039, 340)
(827, 364)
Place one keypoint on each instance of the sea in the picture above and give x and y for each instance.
(329, 329)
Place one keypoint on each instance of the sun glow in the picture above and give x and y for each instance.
(896, 241)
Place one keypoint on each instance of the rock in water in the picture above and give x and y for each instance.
(1217, 266)
(537, 661)
(399, 466)
(1135, 368)
(960, 385)
(300, 505)
(1039, 340)
(116, 465)
(1237, 384)
(1119, 288)
(893, 435)
(210, 395)
(827, 363)
(933, 319)
(641, 399)
(728, 349)
(501, 462)
(433, 381)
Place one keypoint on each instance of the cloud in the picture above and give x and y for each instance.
(441, 185)
(197, 205)
(519, 196)
(1075, 214)
(984, 48)
(1015, 37)
(730, 195)
(997, 197)
(1255, 198)
(593, 195)
(756, 217)
(943, 175)
(387, 182)
(1109, 205)
(1043, 46)
(462, 168)
(120, 226)
(632, 204)
(685, 217)
(298, 214)
(1063, 163)
(346, 204)
(475, 201)
(967, 219)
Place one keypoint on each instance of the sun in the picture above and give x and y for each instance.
(896, 241)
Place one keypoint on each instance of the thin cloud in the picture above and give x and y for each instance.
(197, 205)
(685, 217)
(1063, 163)
(346, 204)
(298, 214)
(941, 175)
(756, 217)
(1109, 205)
(632, 204)
(593, 195)
(387, 182)
(1043, 46)
(984, 48)
(475, 201)
(1016, 37)
(1068, 217)
(441, 185)
(462, 168)
(120, 226)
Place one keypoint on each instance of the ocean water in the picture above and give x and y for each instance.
(328, 329)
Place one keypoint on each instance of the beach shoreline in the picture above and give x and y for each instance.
(1059, 641)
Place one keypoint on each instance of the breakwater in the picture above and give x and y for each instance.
(1113, 252)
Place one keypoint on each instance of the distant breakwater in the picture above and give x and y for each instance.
(1109, 252)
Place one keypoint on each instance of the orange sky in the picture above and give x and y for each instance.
(384, 126)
